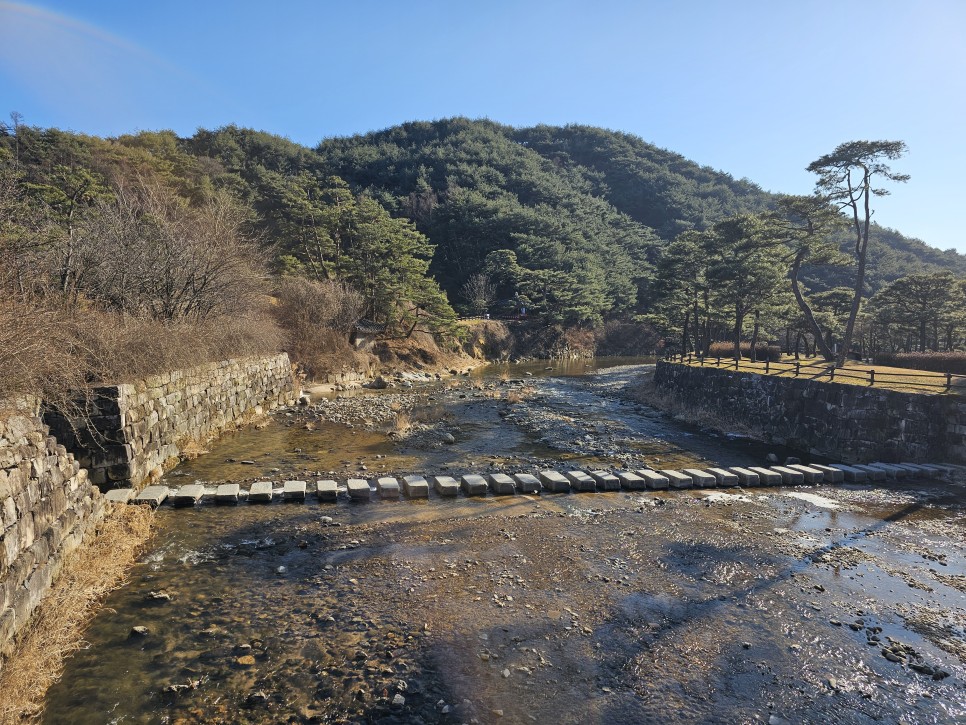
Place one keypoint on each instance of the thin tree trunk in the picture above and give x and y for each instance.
(806, 309)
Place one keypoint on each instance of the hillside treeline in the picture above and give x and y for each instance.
(126, 255)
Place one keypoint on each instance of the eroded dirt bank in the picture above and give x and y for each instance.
(822, 604)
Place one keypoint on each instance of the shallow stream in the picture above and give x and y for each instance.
(757, 605)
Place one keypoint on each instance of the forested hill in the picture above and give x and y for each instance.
(566, 220)
(475, 186)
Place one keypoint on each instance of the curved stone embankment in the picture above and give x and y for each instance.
(833, 420)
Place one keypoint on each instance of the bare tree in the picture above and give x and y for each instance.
(479, 293)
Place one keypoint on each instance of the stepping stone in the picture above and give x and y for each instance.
(790, 476)
(606, 481)
(446, 485)
(874, 474)
(724, 477)
(947, 470)
(892, 472)
(189, 495)
(700, 478)
(653, 479)
(746, 477)
(153, 495)
(832, 475)
(676, 479)
(852, 475)
(554, 482)
(293, 491)
(473, 485)
(227, 493)
(580, 481)
(388, 487)
(501, 484)
(812, 475)
(358, 489)
(631, 481)
(119, 495)
(327, 491)
(766, 477)
(261, 492)
(526, 483)
(919, 470)
(415, 487)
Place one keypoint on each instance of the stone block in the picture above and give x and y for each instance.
(526, 483)
(809, 473)
(874, 474)
(790, 476)
(388, 487)
(746, 477)
(676, 479)
(415, 487)
(358, 489)
(227, 493)
(919, 471)
(446, 486)
(652, 480)
(473, 485)
(580, 481)
(189, 495)
(554, 482)
(327, 491)
(724, 477)
(891, 471)
(632, 481)
(851, 475)
(501, 484)
(701, 479)
(606, 481)
(766, 477)
(120, 495)
(293, 491)
(262, 492)
(153, 495)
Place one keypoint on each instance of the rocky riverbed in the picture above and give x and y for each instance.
(839, 604)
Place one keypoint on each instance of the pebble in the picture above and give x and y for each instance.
(246, 661)
(139, 631)
(398, 700)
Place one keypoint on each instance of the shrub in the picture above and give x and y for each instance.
(937, 362)
(763, 351)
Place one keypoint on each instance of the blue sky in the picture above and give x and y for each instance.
(755, 88)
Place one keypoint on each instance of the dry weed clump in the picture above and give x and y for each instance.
(57, 627)
(939, 362)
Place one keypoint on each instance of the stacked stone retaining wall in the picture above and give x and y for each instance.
(47, 506)
(133, 432)
(850, 423)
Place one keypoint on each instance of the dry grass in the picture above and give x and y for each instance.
(854, 373)
(402, 424)
(57, 628)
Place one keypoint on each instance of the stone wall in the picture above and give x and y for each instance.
(47, 506)
(133, 432)
(849, 423)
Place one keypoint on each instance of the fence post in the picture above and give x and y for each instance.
(831, 373)
(949, 382)
(798, 366)
(767, 363)
(689, 358)
(872, 377)
(718, 361)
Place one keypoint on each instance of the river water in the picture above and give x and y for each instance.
(836, 604)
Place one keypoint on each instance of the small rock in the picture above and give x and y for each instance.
(256, 698)
(245, 661)
(746, 645)
(398, 701)
(139, 631)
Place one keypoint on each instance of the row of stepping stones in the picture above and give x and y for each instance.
(499, 484)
